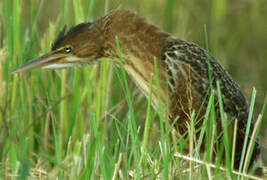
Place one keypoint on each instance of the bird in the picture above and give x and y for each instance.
(186, 72)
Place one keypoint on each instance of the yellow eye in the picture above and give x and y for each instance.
(68, 49)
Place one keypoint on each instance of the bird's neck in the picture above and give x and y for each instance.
(141, 46)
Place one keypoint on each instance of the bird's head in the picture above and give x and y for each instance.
(82, 44)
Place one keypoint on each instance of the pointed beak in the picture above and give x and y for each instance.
(49, 59)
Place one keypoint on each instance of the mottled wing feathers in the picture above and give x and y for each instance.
(178, 52)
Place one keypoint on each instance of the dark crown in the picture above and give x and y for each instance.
(65, 35)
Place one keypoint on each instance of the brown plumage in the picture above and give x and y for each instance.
(182, 66)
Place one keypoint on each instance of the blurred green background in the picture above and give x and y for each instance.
(237, 35)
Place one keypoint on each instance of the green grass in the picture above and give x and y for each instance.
(92, 122)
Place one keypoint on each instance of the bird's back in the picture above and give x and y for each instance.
(189, 81)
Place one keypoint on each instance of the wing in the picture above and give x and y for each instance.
(178, 53)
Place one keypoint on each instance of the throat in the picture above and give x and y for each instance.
(142, 74)
(140, 44)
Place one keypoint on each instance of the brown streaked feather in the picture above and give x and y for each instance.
(134, 33)
(192, 76)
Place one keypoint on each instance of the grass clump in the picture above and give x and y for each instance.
(70, 124)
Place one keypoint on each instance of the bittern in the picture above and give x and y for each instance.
(184, 74)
